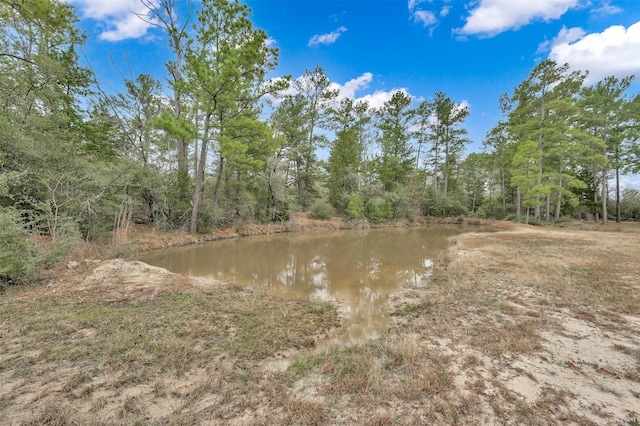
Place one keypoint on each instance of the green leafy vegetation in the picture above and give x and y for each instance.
(321, 209)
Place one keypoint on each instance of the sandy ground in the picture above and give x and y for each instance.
(537, 334)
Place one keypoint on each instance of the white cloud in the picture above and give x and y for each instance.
(492, 17)
(327, 38)
(464, 104)
(349, 89)
(424, 17)
(445, 11)
(346, 90)
(413, 3)
(564, 36)
(606, 9)
(375, 99)
(378, 98)
(615, 51)
(118, 17)
(129, 26)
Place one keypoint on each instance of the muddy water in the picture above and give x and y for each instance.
(358, 269)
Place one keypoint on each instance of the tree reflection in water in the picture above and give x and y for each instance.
(356, 268)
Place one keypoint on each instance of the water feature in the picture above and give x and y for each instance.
(358, 269)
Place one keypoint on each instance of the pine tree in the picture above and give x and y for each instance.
(606, 119)
(345, 157)
(227, 63)
(542, 122)
(396, 153)
(438, 121)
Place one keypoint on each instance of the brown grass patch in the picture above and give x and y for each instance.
(144, 344)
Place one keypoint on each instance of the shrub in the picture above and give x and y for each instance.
(355, 208)
(379, 210)
(403, 207)
(321, 209)
(22, 258)
(17, 249)
(451, 207)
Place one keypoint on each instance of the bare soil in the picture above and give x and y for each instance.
(526, 325)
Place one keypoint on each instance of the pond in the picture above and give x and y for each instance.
(358, 269)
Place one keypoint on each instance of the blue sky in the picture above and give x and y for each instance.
(473, 50)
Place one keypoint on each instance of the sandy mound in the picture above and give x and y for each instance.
(118, 280)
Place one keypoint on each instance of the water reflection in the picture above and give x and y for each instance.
(356, 268)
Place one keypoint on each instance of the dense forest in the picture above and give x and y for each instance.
(217, 142)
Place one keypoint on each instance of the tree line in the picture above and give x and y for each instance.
(220, 143)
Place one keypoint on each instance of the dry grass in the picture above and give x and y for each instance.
(518, 309)
(110, 358)
(526, 326)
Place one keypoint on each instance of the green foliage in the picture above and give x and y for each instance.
(227, 62)
(438, 123)
(378, 210)
(355, 208)
(511, 217)
(451, 206)
(211, 217)
(549, 144)
(402, 205)
(630, 204)
(297, 120)
(302, 367)
(17, 249)
(409, 308)
(22, 254)
(321, 209)
(344, 164)
(177, 202)
(396, 153)
(58, 249)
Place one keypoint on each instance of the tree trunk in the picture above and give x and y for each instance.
(541, 153)
(503, 193)
(473, 200)
(446, 166)
(518, 204)
(216, 190)
(436, 152)
(604, 196)
(556, 216)
(547, 212)
(197, 193)
(299, 181)
(618, 214)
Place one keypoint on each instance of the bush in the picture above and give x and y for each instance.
(22, 259)
(17, 249)
(379, 210)
(403, 207)
(355, 208)
(321, 209)
(58, 249)
(451, 207)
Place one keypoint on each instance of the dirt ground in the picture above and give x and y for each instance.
(526, 325)
(541, 325)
